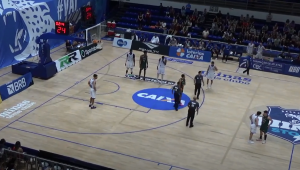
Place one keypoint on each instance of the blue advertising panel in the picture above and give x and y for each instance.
(292, 70)
(16, 86)
(23, 22)
(190, 54)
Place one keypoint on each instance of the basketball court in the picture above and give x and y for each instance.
(123, 134)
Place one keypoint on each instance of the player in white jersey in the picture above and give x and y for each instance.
(254, 124)
(260, 50)
(130, 61)
(162, 62)
(250, 48)
(92, 85)
(210, 74)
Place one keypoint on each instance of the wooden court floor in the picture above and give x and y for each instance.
(123, 135)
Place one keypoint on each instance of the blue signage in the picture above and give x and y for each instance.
(230, 78)
(16, 86)
(190, 54)
(179, 61)
(158, 99)
(285, 124)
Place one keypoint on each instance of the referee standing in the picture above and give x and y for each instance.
(177, 92)
(193, 106)
(197, 81)
(248, 65)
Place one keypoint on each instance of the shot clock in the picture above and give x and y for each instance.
(87, 13)
(62, 27)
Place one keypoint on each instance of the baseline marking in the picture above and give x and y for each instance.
(60, 93)
(118, 153)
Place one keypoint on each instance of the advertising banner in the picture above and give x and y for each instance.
(292, 70)
(88, 50)
(122, 43)
(150, 48)
(16, 86)
(190, 54)
(68, 60)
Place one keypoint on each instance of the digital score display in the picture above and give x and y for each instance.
(62, 27)
(87, 13)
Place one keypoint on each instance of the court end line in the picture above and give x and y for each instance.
(61, 92)
(241, 122)
(104, 104)
(106, 150)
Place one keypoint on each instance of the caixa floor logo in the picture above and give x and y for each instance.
(16, 86)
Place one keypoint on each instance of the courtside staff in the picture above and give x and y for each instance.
(193, 106)
(197, 81)
(176, 90)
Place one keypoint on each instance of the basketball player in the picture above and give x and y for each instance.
(250, 49)
(210, 74)
(92, 84)
(198, 80)
(254, 124)
(143, 64)
(181, 84)
(177, 92)
(265, 126)
(260, 50)
(193, 106)
(162, 62)
(130, 62)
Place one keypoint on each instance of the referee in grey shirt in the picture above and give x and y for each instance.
(197, 81)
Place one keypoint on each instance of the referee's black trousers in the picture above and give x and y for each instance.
(197, 90)
(177, 102)
(190, 118)
(247, 70)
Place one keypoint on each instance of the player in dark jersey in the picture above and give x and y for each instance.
(265, 124)
(181, 84)
(193, 107)
(177, 92)
(143, 64)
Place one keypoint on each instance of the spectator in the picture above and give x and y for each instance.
(187, 43)
(155, 39)
(242, 18)
(164, 26)
(247, 18)
(201, 45)
(275, 28)
(269, 18)
(148, 17)
(172, 28)
(143, 38)
(252, 20)
(209, 46)
(205, 33)
(140, 20)
(214, 28)
(2, 147)
(188, 8)
(178, 28)
(134, 37)
(264, 29)
(216, 50)
(168, 12)
(68, 46)
(161, 10)
(219, 15)
(196, 12)
(173, 42)
(183, 11)
(172, 12)
(17, 147)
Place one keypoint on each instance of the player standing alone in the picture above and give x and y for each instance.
(92, 84)
(265, 126)
(250, 48)
(181, 84)
(162, 62)
(260, 50)
(130, 62)
(210, 74)
(143, 64)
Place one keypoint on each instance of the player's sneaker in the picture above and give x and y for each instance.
(263, 142)
(90, 105)
(93, 107)
(250, 142)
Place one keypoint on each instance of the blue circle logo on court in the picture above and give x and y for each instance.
(158, 99)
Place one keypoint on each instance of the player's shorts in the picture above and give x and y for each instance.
(253, 128)
(210, 76)
(265, 130)
(161, 70)
(259, 55)
(129, 64)
(93, 93)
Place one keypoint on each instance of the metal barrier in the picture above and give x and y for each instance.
(274, 6)
(23, 161)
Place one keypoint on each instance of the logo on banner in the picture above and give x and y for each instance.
(68, 60)
(194, 54)
(286, 123)
(121, 42)
(151, 46)
(15, 110)
(89, 50)
(158, 99)
(230, 78)
(294, 69)
(180, 52)
(16, 86)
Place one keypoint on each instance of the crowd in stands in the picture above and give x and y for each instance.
(231, 29)
(12, 161)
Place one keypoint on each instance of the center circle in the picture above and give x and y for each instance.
(158, 99)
